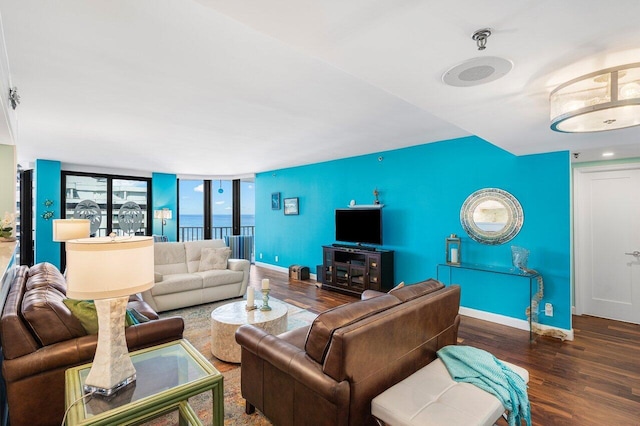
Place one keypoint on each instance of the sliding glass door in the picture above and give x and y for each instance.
(117, 204)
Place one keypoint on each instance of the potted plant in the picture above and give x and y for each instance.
(6, 227)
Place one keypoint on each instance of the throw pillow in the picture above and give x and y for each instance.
(139, 317)
(214, 258)
(398, 287)
(85, 311)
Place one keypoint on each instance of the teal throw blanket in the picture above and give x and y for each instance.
(472, 365)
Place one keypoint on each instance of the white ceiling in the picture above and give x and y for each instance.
(219, 87)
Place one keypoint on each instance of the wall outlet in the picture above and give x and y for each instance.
(260, 255)
(276, 258)
(548, 309)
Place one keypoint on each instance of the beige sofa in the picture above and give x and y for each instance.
(179, 283)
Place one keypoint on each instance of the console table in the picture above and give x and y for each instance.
(353, 270)
(533, 278)
(167, 376)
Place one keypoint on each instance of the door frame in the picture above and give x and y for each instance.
(579, 244)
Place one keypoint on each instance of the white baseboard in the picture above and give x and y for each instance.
(273, 267)
(281, 269)
(510, 322)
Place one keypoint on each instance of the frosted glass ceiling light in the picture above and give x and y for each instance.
(608, 99)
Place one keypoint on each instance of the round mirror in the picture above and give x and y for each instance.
(491, 216)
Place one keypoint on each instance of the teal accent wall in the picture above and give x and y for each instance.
(47, 187)
(164, 194)
(423, 188)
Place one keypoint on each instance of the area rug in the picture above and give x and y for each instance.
(197, 330)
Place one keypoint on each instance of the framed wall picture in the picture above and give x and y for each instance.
(291, 206)
(275, 201)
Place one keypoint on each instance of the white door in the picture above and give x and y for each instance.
(607, 242)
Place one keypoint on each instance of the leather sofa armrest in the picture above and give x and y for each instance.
(238, 265)
(370, 294)
(292, 361)
(81, 350)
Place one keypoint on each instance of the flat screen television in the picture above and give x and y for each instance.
(360, 226)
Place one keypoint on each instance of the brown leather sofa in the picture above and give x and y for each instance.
(41, 339)
(328, 373)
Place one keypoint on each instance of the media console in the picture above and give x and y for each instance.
(354, 269)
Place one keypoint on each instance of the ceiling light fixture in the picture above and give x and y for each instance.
(608, 99)
(607, 154)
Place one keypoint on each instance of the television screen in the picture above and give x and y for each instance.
(363, 226)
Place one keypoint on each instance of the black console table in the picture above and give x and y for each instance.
(535, 280)
(353, 270)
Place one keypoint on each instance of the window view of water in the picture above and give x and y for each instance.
(219, 220)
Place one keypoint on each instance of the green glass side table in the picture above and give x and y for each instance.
(167, 376)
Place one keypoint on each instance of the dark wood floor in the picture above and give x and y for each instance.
(592, 380)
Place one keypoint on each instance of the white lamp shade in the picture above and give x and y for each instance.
(101, 268)
(71, 229)
(162, 214)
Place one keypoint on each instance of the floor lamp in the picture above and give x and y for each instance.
(163, 214)
(108, 270)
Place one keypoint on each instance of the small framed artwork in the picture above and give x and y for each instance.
(275, 201)
(290, 206)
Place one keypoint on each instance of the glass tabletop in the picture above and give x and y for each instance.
(492, 268)
(157, 370)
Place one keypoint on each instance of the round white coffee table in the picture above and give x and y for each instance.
(226, 319)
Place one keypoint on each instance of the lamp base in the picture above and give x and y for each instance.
(112, 368)
(111, 391)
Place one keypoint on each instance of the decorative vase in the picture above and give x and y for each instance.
(7, 239)
(519, 257)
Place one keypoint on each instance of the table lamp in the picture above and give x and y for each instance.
(71, 229)
(108, 270)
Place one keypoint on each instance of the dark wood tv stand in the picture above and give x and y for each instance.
(353, 269)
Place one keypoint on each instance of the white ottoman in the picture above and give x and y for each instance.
(431, 397)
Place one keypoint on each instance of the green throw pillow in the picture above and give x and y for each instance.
(85, 311)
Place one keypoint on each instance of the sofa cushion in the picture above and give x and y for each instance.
(326, 323)
(216, 277)
(44, 274)
(169, 258)
(410, 292)
(193, 251)
(48, 317)
(17, 339)
(85, 311)
(214, 258)
(177, 283)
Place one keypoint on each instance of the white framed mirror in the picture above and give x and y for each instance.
(491, 216)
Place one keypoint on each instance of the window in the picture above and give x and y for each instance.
(221, 209)
(190, 210)
(247, 206)
(210, 208)
(101, 197)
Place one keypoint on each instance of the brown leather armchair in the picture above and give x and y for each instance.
(328, 373)
(41, 339)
